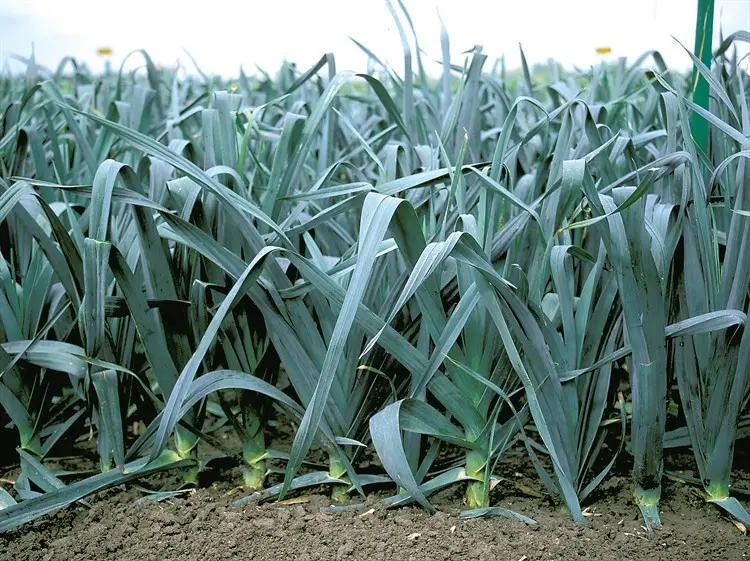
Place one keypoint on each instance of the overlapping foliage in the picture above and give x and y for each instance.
(430, 271)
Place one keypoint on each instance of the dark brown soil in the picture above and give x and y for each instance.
(203, 526)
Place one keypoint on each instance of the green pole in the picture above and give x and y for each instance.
(704, 26)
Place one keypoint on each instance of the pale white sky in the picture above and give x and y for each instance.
(222, 35)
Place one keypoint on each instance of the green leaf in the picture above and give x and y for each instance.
(28, 510)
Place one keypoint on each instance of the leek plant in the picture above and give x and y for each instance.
(711, 369)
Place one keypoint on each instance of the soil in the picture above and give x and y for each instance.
(203, 525)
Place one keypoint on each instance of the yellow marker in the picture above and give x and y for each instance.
(104, 51)
(603, 50)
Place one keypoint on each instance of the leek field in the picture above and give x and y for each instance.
(412, 272)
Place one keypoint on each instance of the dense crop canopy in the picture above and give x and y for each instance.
(413, 275)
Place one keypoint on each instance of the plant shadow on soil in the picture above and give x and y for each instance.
(202, 524)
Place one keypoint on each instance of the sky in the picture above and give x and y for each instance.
(223, 35)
